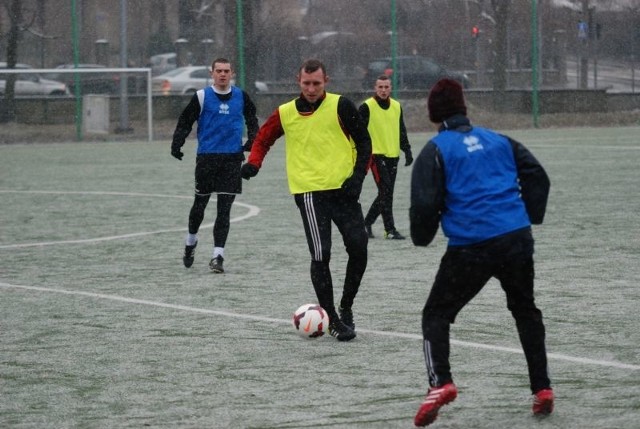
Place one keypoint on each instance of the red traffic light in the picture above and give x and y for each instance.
(475, 31)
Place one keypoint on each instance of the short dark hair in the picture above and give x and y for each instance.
(311, 65)
(383, 77)
(221, 61)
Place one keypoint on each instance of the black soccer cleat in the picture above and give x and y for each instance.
(346, 315)
(340, 331)
(216, 264)
(393, 235)
(369, 231)
(189, 254)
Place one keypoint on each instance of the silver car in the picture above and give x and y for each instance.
(181, 81)
(163, 63)
(32, 83)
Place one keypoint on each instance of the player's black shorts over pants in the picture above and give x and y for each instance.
(218, 173)
(462, 274)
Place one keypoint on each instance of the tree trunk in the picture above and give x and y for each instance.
(8, 109)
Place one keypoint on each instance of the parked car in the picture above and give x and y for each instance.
(90, 83)
(31, 83)
(181, 81)
(163, 63)
(99, 83)
(413, 72)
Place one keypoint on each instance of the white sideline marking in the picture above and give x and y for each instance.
(561, 146)
(252, 211)
(555, 356)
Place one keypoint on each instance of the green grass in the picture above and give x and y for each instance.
(102, 326)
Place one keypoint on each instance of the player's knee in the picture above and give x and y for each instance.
(323, 256)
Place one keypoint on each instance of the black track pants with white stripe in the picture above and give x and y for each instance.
(318, 210)
(463, 272)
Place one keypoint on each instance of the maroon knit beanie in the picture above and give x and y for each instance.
(445, 100)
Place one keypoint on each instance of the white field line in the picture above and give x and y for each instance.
(251, 211)
(548, 145)
(556, 356)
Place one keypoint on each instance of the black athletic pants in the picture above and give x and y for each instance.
(318, 210)
(462, 274)
(223, 216)
(384, 171)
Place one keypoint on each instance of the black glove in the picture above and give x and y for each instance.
(352, 186)
(176, 152)
(247, 171)
(408, 158)
(247, 146)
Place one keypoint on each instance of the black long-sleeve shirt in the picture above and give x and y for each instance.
(428, 185)
(191, 113)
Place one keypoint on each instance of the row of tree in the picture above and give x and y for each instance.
(278, 34)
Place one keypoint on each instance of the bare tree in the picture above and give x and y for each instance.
(14, 11)
(160, 40)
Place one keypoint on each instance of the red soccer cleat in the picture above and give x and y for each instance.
(543, 402)
(436, 398)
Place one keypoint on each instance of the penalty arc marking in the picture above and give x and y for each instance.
(251, 211)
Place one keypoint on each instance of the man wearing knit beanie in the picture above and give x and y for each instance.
(445, 100)
(485, 190)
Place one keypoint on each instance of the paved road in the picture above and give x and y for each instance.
(616, 76)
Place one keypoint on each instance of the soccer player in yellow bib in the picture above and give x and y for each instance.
(327, 151)
(383, 116)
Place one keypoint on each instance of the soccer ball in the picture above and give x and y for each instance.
(310, 321)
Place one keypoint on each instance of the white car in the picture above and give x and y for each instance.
(188, 80)
(32, 83)
(163, 63)
(181, 81)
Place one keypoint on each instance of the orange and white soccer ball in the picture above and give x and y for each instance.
(310, 321)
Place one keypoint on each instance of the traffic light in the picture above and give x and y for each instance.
(475, 32)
